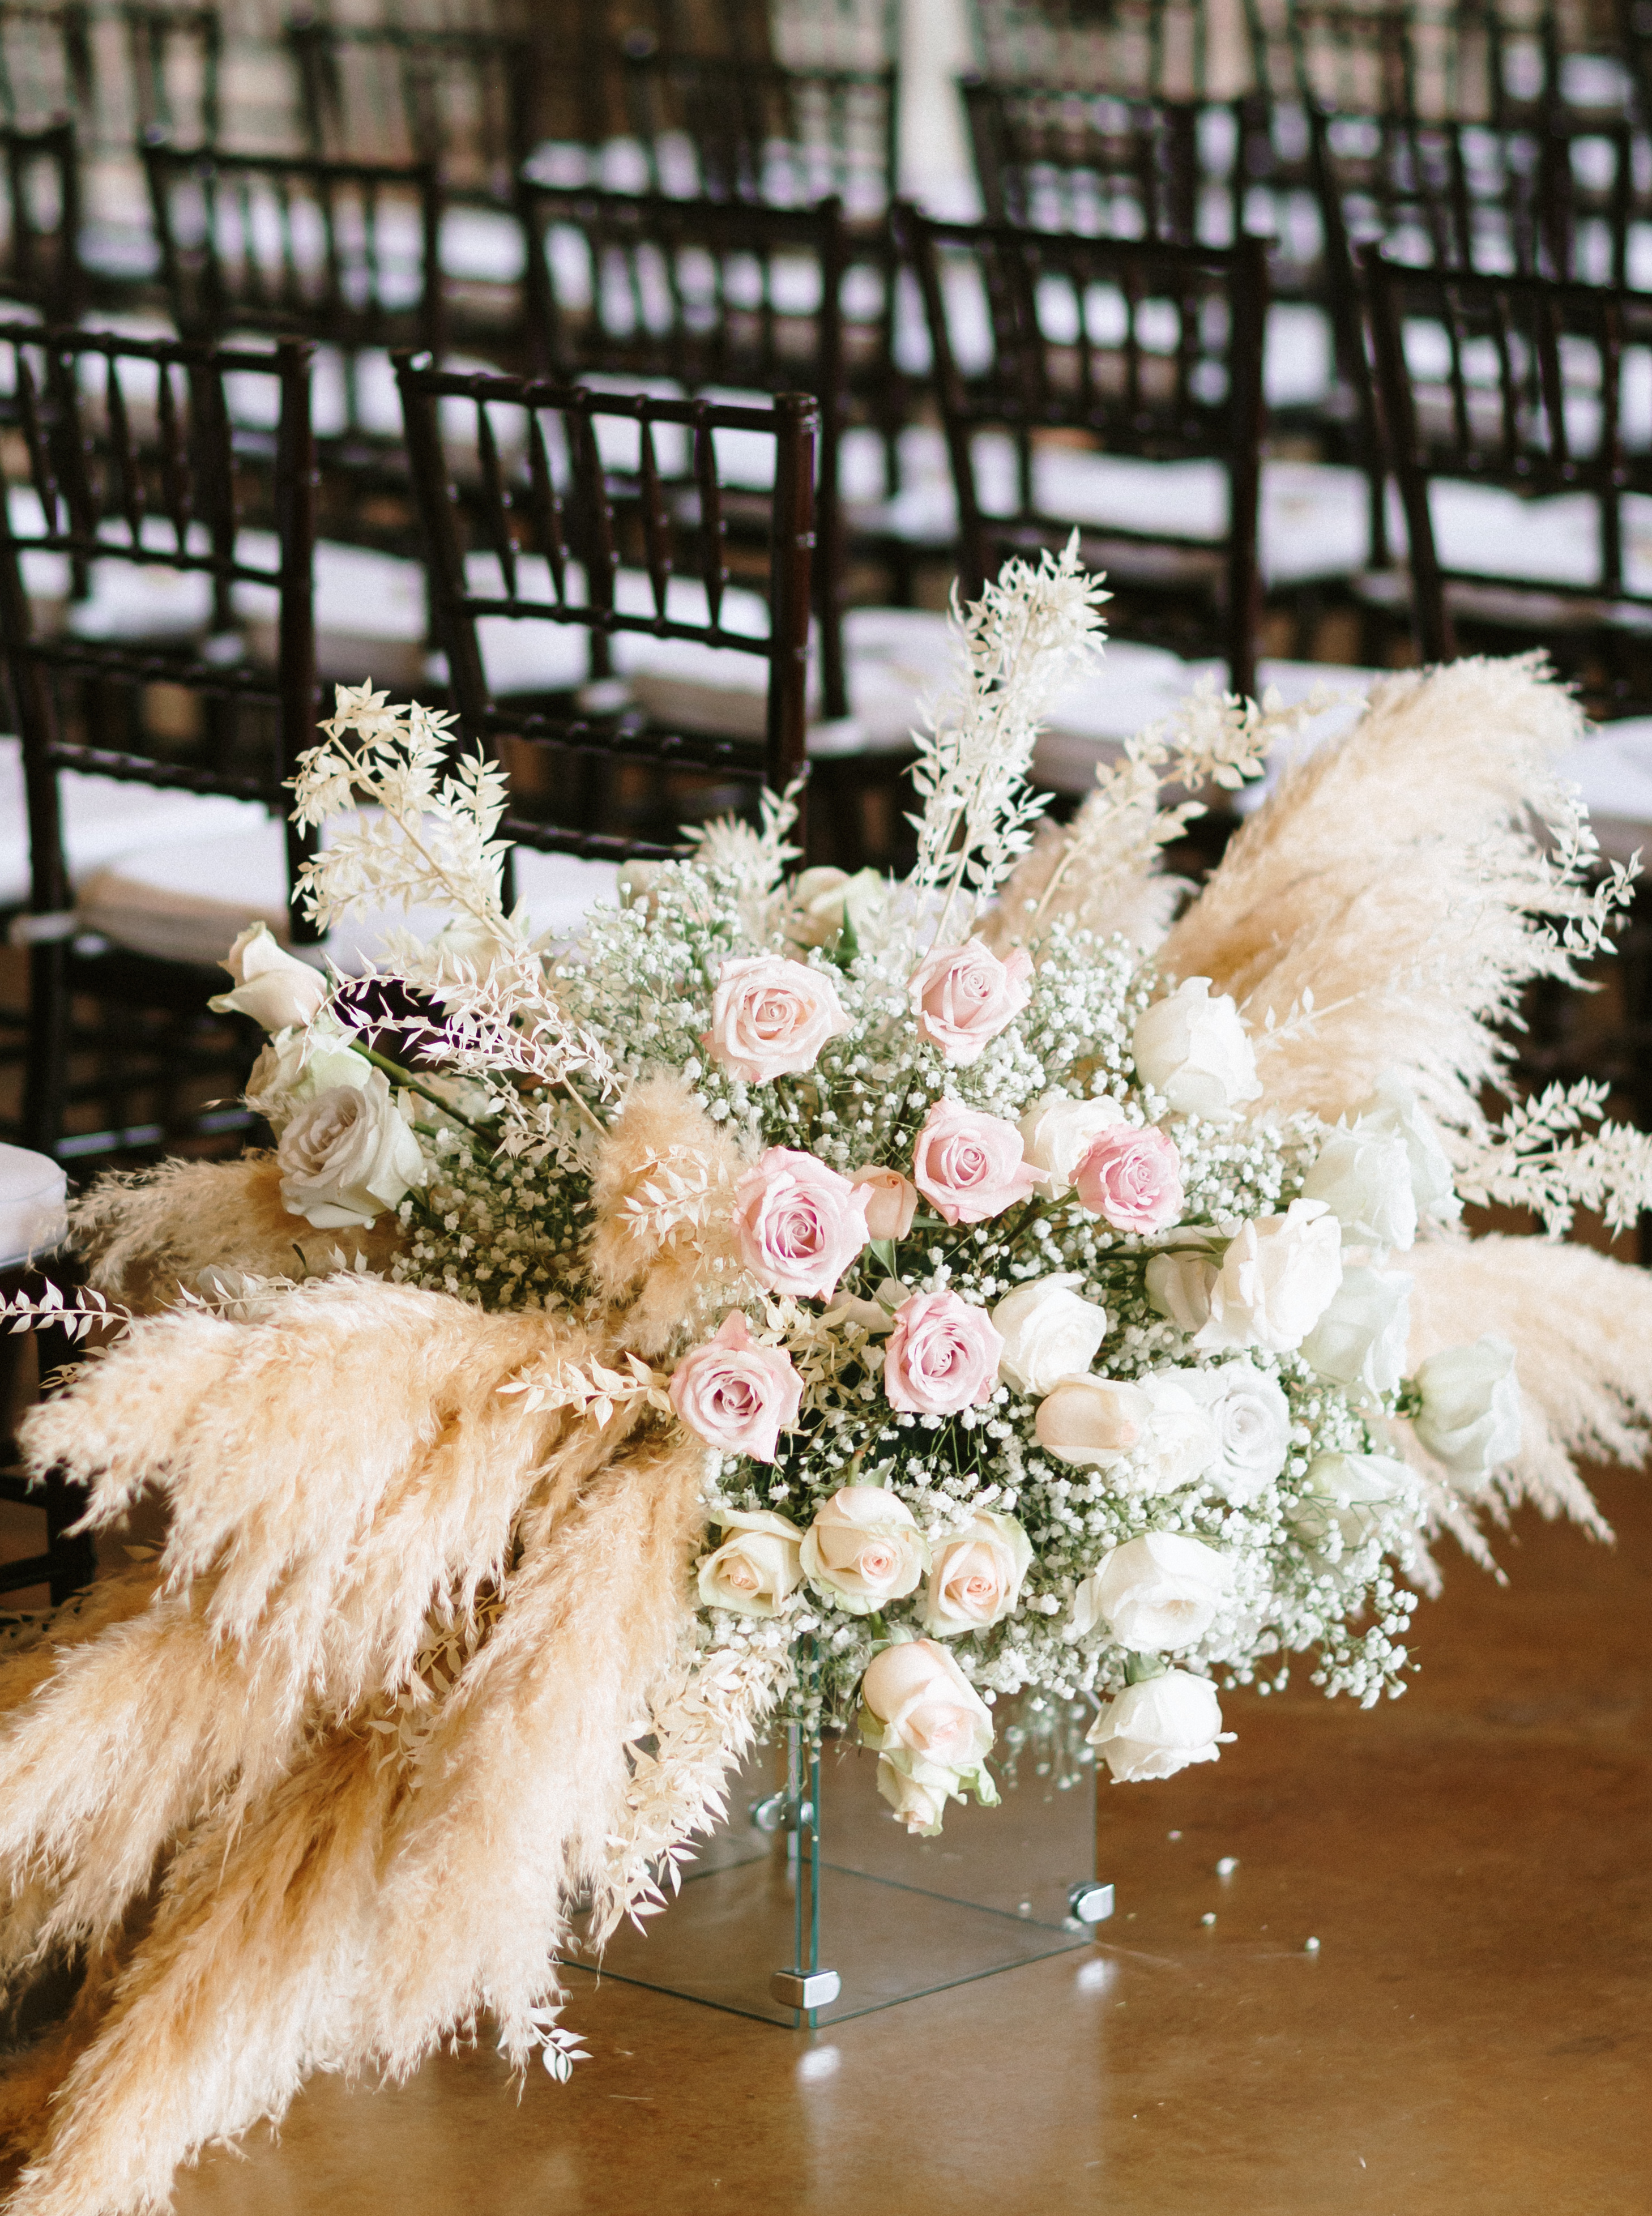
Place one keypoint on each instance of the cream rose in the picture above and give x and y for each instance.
(1178, 1286)
(1092, 1422)
(1154, 1593)
(964, 996)
(1253, 1427)
(1050, 1331)
(1342, 1493)
(293, 1067)
(752, 1572)
(1057, 1131)
(348, 1156)
(1154, 1729)
(1182, 1443)
(865, 1549)
(1276, 1279)
(270, 986)
(931, 1728)
(823, 900)
(771, 1017)
(1393, 1107)
(1193, 1049)
(977, 1577)
(891, 1203)
(1470, 1419)
(1361, 1339)
(1363, 1174)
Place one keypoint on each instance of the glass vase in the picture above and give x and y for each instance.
(811, 1904)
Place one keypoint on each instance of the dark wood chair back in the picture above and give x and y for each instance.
(342, 252)
(463, 103)
(40, 210)
(1517, 382)
(1469, 60)
(128, 450)
(714, 294)
(1144, 49)
(46, 62)
(781, 137)
(175, 55)
(553, 545)
(1130, 347)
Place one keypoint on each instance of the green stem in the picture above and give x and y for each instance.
(405, 1077)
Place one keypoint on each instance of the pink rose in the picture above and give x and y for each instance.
(736, 1396)
(798, 1224)
(965, 996)
(892, 1202)
(1131, 1177)
(971, 1166)
(770, 1016)
(942, 1355)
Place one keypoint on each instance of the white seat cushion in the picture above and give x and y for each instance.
(34, 1205)
(1612, 769)
(104, 816)
(187, 901)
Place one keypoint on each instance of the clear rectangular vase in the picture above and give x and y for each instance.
(811, 1903)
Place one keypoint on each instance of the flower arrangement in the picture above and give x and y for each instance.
(808, 1295)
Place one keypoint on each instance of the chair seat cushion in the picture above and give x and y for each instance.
(104, 816)
(1612, 771)
(187, 901)
(34, 1205)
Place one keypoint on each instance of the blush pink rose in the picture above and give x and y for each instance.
(942, 1355)
(965, 995)
(892, 1202)
(970, 1166)
(736, 1396)
(770, 1017)
(798, 1224)
(1131, 1177)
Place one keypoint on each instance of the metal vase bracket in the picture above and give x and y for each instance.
(811, 1903)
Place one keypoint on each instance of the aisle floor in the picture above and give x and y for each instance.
(1471, 2039)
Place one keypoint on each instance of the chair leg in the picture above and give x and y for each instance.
(47, 1081)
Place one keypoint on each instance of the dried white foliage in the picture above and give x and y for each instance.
(700, 1731)
(591, 1388)
(1530, 1158)
(1022, 642)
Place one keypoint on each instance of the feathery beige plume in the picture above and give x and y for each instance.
(148, 1234)
(662, 1193)
(1580, 1323)
(1403, 951)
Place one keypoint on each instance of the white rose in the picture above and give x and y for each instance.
(1156, 1728)
(1195, 1050)
(933, 1729)
(1342, 1491)
(1182, 1441)
(1470, 1414)
(823, 900)
(1057, 1129)
(293, 1067)
(1178, 1286)
(1158, 1591)
(1276, 1281)
(863, 1548)
(1253, 1427)
(976, 1578)
(1092, 1422)
(1393, 1108)
(1361, 1338)
(348, 1156)
(752, 1572)
(1364, 1177)
(270, 986)
(1049, 1332)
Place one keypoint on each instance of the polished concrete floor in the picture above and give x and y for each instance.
(1473, 2038)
